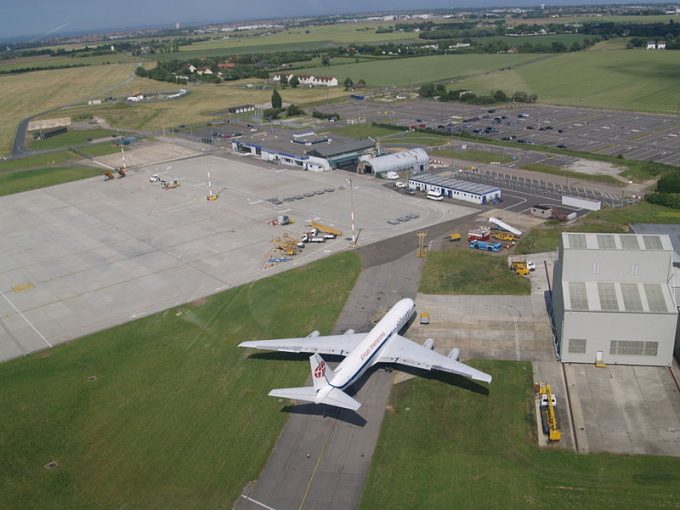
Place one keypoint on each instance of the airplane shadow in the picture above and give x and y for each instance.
(446, 378)
(336, 413)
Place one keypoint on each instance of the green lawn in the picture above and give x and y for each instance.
(177, 417)
(16, 182)
(447, 443)
(74, 137)
(467, 271)
(547, 237)
(37, 161)
(621, 79)
(474, 155)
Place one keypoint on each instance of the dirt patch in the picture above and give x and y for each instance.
(589, 167)
(198, 302)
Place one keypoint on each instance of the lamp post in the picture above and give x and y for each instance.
(353, 243)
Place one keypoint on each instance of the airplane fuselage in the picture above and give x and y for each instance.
(368, 351)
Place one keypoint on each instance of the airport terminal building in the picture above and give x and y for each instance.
(612, 299)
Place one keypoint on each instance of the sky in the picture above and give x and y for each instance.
(54, 17)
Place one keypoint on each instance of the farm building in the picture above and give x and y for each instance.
(612, 301)
(241, 108)
(308, 152)
(413, 161)
(44, 134)
(453, 188)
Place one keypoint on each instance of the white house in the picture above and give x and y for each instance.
(656, 45)
(192, 68)
(309, 81)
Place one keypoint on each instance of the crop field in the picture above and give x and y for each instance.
(165, 411)
(659, 18)
(31, 93)
(447, 442)
(16, 182)
(48, 61)
(567, 39)
(458, 272)
(627, 79)
(413, 71)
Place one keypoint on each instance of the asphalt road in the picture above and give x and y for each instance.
(323, 455)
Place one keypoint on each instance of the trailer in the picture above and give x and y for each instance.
(581, 203)
(479, 234)
(486, 246)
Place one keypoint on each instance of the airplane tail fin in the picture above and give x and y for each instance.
(322, 392)
(319, 368)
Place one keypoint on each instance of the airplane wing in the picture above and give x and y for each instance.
(403, 351)
(340, 345)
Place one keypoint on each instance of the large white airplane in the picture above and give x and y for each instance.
(382, 344)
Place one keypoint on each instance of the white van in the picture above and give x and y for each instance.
(392, 175)
(400, 185)
(434, 195)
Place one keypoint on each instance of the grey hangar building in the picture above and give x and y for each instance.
(613, 301)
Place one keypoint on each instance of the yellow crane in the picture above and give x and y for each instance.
(325, 228)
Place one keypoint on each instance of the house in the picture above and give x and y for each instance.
(656, 45)
(308, 80)
(226, 65)
(192, 68)
(207, 71)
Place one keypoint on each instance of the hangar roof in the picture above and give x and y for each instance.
(454, 184)
(629, 297)
(335, 149)
(621, 242)
(398, 160)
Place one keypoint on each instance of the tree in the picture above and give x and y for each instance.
(294, 110)
(294, 82)
(283, 81)
(348, 83)
(325, 61)
(427, 90)
(277, 102)
(500, 96)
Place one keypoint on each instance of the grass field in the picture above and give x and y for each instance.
(547, 236)
(31, 93)
(657, 18)
(466, 271)
(474, 155)
(366, 130)
(178, 417)
(626, 79)
(37, 161)
(73, 137)
(447, 443)
(412, 71)
(17, 182)
(202, 104)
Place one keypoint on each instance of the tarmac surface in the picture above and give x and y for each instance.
(87, 255)
(323, 455)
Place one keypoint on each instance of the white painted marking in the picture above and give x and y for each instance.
(27, 321)
(256, 502)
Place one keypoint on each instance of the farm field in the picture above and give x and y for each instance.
(659, 18)
(546, 40)
(447, 442)
(48, 61)
(414, 71)
(177, 416)
(467, 271)
(31, 93)
(625, 79)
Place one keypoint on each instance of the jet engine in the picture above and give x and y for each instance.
(428, 344)
(454, 354)
(349, 332)
(313, 334)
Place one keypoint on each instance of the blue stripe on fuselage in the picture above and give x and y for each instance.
(351, 379)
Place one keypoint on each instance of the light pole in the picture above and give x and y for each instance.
(353, 243)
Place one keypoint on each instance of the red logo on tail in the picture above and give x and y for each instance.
(320, 370)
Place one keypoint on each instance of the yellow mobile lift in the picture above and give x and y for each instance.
(324, 228)
(547, 399)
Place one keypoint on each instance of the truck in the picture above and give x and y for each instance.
(479, 234)
(504, 236)
(454, 237)
(486, 246)
(400, 185)
(522, 267)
